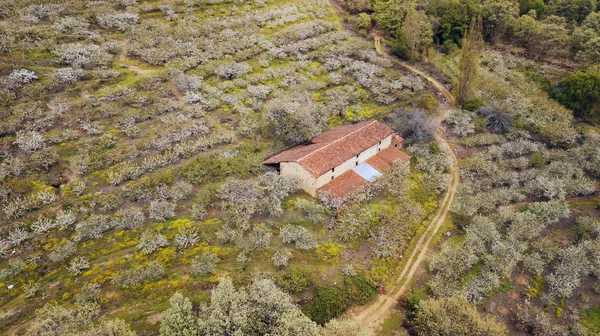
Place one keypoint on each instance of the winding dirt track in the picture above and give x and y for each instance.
(372, 316)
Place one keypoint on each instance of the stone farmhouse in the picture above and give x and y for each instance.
(342, 159)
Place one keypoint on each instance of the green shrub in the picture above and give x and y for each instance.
(359, 290)
(236, 162)
(461, 220)
(580, 92)
(412, 302)
(6, 97)
(585, 230)
(206, 194)
(454, 316)
(161, 178)
(400, 47)
(363, 21)
(295, 281)
(381, 272)
(518, 124)
(329, 302)
(591, 319)
(428, 102)
(537, 5)
(434, 148)
(480, 124)
(356, 6)
(473, 105)
(449, 46)
(537, 159)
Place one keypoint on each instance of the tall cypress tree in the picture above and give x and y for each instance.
(469, 61)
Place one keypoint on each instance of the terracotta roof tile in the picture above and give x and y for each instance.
(338, 132)
(293, 154)
(343, 184)
(384, 159)
(378, 163)
(334, 147)
(392, 154)
(350, 180)
(396, 139)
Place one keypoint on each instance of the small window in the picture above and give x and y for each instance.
(332, 177)
(332, 169)
(356, 163)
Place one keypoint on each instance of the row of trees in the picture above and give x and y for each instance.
(262, 308)
(560, 28)
(553, 36)
(413, 27)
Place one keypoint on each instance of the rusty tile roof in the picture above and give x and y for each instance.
(392, 154)
(343, 184)
(334, 147)
(350, 181)
(378, 163)
(384, 159)
(396, 139)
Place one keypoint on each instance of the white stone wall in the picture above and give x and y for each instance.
(367, 154)
(337, 171)
(385, 143)
(373, 150)
(295, 171)
(344, 167)
(324, 179)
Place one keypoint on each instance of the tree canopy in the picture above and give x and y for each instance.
(581, 93)
(454, 316)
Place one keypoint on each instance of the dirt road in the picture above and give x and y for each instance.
(372, 316)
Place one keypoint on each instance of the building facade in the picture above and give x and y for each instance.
(341, 159)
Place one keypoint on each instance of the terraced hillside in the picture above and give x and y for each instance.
(132, 137)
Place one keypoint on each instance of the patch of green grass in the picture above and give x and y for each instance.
(536, 287)
(136, 63)
(591, 318)
(211, 167)
(587, 128)
(295, 281)
(39, 55)
(585, 204)
(130, 78)
(447, 226)
(472, 273)
(537, 76)
(382, 270)
(392, 325)
(506, 287)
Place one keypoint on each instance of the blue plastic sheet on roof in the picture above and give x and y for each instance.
(367, 172)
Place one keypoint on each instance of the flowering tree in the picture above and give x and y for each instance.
(205, 263)
(29, 141)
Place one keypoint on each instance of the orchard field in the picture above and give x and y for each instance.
(134, 201)
(133, 134)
